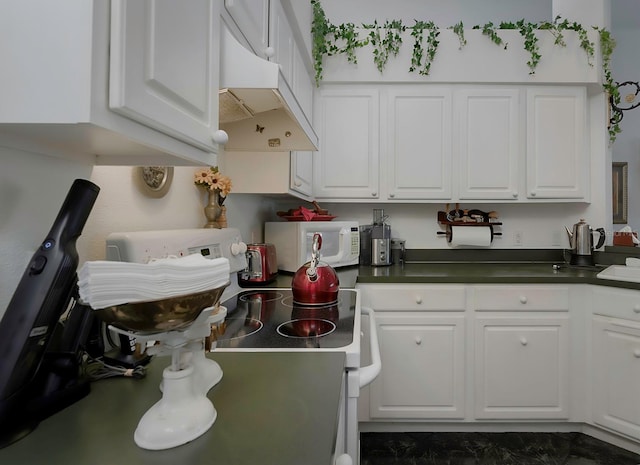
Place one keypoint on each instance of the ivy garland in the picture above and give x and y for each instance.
(489, 30)
(458, 29)
(607, 45)
(386, 43)
(417, 32)
(386, 39)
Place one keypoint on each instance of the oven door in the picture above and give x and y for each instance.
(348, 440)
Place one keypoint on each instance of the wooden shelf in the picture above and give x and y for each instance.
(442, 219)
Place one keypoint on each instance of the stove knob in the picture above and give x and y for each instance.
(238, 248)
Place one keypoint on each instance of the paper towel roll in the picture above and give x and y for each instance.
(470, 236)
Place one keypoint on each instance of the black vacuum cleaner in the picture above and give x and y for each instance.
(41, 356)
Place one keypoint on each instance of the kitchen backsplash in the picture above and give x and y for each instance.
(538, 226)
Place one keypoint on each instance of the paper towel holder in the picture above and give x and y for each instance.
(470, 218)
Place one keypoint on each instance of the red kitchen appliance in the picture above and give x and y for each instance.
(262, 265)
(315, 282)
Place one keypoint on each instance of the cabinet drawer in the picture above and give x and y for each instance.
(413, 297)
(618, 303)
(509, 298)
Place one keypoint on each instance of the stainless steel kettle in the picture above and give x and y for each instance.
(581, 243)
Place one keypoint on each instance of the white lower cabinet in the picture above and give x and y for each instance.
(542, 354)
(522, 367)
(423, 366)
(521, 352)
(615, 349)
(616, 375)
(421, 331)
(504, 349)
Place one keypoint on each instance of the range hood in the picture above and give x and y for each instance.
(257, 108)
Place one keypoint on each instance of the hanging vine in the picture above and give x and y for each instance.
(386, 41)
(421, 53)
(607, 45)
(490, 31)
(458, 29)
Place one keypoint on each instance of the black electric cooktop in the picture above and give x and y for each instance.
(269, 319)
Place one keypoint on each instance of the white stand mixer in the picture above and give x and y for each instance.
(184, 412)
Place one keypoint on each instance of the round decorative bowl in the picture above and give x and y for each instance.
(162, 315)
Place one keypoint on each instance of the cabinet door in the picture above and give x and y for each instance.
(164, 66)
(252, 18)
(302, 172)
(422, 367)
(419, 138)
(281, 40)
(616, 375)
(487, 143)
(521, 368)
(347, 164)
(557, 149)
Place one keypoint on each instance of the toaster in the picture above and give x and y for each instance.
(262, 265)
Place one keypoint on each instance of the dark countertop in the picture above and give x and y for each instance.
(508, 266)
(488, 273)
(273, 409)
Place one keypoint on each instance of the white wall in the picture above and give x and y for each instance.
(33, 187)
(443, 13)
(626, 67)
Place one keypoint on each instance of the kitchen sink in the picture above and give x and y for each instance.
(621, 273)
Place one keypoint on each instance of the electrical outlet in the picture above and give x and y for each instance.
(518, 238)
(556, 238)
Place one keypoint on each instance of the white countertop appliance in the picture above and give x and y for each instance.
(294, 242)
(267, 320)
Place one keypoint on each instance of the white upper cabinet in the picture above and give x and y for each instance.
(487, 140)
(272, 173)
(57, 83)
(164, 67)
(302, 173)
(453, 143)
(252, 18)
(347, 164)
(557, 155)
(281, 40)
(419, 143)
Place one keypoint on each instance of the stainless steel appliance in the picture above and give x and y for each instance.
(582, 244)
(294, 242)
(262, 265)
(267, 320)
(380, 239)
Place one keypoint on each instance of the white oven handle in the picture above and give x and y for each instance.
(370, 372)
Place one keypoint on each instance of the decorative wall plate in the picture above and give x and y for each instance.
(156, 179)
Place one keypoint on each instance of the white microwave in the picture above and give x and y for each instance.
(293, 241)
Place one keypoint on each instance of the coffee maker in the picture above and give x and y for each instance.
(380, 239)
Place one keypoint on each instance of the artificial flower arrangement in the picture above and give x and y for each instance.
(213, 180)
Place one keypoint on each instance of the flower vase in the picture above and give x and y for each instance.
(213, 210)
(222, 220)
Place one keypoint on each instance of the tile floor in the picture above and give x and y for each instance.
(490, 449)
